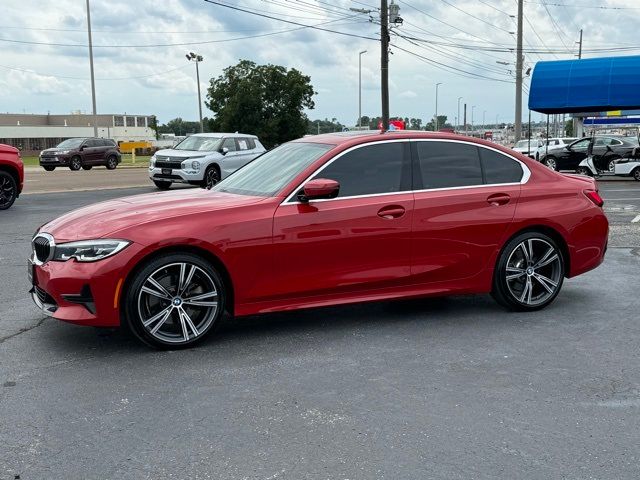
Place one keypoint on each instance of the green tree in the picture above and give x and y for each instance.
(264, 100)
(442, 123)
(568, 128)
(324, 126)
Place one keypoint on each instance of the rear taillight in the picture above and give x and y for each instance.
(595, 197)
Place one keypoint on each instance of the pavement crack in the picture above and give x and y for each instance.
(22, 330)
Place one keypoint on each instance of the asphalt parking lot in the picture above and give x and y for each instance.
(452, 388)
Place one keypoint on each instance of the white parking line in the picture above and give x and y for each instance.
(636, 220)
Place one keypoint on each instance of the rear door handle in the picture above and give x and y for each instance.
(498, 199)
(391, 212)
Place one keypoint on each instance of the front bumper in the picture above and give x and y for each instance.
(176, 175)
(82, 293)
(54, 161)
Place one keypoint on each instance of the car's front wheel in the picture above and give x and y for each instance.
(75, 164)
(174, 301)
(529, 272)
(8, 190)
(611, 164)
(211, 177)
(583, 171)
(551, 163)
(636, 174)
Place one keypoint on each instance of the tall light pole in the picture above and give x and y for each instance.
(473, 108)
(518, 121)
(436, 121)
(458, 120)
(360, 87)
(93, 80)
(384, 62)
(484, 112)
(192, 57)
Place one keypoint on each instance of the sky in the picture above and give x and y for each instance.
(44, 61)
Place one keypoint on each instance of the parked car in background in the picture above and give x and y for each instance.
(85, 153)
(527, 147)
(629, 165)
(552, 144)
(203, 159)
(324, 220)
(11, 175)
(607, 150)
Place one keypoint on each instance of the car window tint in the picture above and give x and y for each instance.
(242, 144)
(498, 168)
(448, 164)
(615, 141)
(92, 142)
(581, 145)
(251, 142)
(229, 143)
(381, 168)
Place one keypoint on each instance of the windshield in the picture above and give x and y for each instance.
(71, 143)
(525, 143)
(270, 172)
(199, 144)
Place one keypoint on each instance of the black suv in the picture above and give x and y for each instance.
(607, 149)
(85, 153)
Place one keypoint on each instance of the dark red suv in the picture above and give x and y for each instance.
(11, 175)
(85, 153)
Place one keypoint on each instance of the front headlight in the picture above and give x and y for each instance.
(195, 166)
(152, 161)
(62, 152)
(88, 250)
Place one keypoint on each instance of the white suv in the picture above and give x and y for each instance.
(203, 159)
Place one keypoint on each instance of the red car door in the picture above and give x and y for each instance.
(465, 199)
(359, 240)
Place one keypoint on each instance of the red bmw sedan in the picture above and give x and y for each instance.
(319, 221)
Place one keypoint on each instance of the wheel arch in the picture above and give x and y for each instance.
(11, 171)
(196, 250)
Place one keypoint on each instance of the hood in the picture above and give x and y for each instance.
(184, 154)
(7, 148)
(101, 219)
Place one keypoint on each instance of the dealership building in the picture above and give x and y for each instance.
(32, 133)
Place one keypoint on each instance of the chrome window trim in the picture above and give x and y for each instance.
(526, 173)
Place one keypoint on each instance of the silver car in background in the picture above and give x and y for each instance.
(203, 159)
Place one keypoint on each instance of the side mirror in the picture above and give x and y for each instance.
(82, 147)
(224, 150)
(319, 188)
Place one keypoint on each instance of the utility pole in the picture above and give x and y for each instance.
(436, 121)
(384, 62)
(580, 46)
(518, 120)
(360, 87)
(93, 80)
(193, 57)
(465, 118)
(458, 120)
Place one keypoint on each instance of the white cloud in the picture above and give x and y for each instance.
(408, 94)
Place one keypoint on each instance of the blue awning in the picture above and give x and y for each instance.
(589, 85)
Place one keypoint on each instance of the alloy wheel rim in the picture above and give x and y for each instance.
(533, 271)
(111, 161)
(551, 163)
(212, 178)
(177, 303)
(612, 166)
(7, 191)
(636, 174)
(77, 164)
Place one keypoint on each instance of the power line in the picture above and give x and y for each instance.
(477, 18)
(582, 6)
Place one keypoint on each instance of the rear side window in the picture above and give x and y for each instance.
(242, 144)
(251, 143)
(373, 169)
(447, 164)
(93, 142)
(499, 168)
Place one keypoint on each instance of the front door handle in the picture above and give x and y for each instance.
(391, 212)
(498, 199)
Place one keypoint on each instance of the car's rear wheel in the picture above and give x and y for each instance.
(174, 301)
(611, 164)
(211, 177)
(49, 168)
(583, 171)
(636, 174)
(8, 190)
(87, 167)
(551, 163)
(162, 185)
(529, 272)
(75, 164)
(112, 162)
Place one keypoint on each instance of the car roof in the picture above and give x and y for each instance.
(221, 134)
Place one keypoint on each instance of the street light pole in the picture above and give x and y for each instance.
(360, 87)
(484, 112)
(93, 80)
(192, 57)
(458, 120)
(518, 119)
(473, 108)
(436, 121)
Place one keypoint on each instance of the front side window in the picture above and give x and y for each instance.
(581, 145)
(448, 164)
(271, 172)
(372, 169)
(71, 143)
(229, 143)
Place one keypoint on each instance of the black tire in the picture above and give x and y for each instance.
(162, 185)
(516, 273)
(87, 167)
(49, 168)
(164, 311)
(75, 164)
(211, 177)
(636, 174)
(112, 162)
(551, 162)
(8, 190)
(584, 171)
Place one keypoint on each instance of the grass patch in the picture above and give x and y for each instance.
(141, 161)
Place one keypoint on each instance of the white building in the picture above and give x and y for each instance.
(35, 132)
